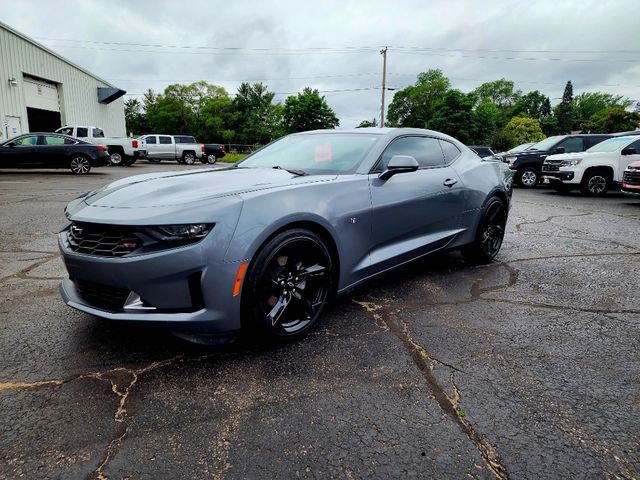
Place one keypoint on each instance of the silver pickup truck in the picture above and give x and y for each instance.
(182, 148)
(122, 150)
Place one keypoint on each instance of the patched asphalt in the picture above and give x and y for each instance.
(525, 368)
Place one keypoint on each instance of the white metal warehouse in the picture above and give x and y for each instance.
(40, 91)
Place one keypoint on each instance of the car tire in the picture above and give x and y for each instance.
(595, 183)
(211, 159)
(528, 177)
(128, 161)
(188, 158)
(288, 285)
(117, 157)
(490, 234)
(79, 165)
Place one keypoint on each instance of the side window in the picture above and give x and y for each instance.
(26, 141)
(450, 151)
(635, 145)
(151, 139)
(68, 141)
(98, 133)
(82, 132)
(66, 131)
(572, 145)
(425, 150)
(165, 140)
(51, 140)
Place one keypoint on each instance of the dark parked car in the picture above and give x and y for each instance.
(52, 150)
(482, 151)
(212, 152)
(528, 163)
(266, 243)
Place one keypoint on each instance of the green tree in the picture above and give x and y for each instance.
(368, 123)
(485, 119)
(522, 130)
(564, 112)
(613, 119)
(413, 106)
(255, 117)
(532, 105)
(135, 118)
(587, 104)
(308, 111)
(453, 115)
(500, 92)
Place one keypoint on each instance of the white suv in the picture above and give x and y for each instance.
(595, 170)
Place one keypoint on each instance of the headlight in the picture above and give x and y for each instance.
(189, 232)
(570, 163)
(510, 160)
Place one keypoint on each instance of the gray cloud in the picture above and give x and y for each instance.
(507, 25)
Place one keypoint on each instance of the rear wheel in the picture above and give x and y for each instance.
(116, 157)
(595, 183)
(189, 158)
(528, 177)
(80, 165)
(489, 235)
(211, 159)
(288, 284)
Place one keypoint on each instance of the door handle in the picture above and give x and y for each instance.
(450, 182)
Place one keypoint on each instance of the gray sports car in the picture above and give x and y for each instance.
(264, 244)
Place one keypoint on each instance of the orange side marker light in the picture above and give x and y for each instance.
(237, 286)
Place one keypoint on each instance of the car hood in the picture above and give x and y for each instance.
(179, 188)
(569, 156)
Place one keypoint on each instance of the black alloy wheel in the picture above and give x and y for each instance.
(595, 183)
(289, 284)
(80, 165)
(490, 233)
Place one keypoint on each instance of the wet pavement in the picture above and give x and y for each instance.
(525, 368)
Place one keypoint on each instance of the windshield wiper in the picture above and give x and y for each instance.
(299, 173)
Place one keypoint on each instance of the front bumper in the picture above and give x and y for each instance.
(626, 187)
(559, 176)
(182, 288)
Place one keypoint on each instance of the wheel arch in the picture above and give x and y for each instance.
(600, 168)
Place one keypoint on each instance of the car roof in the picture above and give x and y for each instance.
(390, 132)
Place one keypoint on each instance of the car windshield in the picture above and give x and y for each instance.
(545, 144)
(520, 148)
(610, 145)
(314, 153)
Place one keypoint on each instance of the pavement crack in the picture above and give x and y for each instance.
(448, 404)
(548, 219)
(5, 386)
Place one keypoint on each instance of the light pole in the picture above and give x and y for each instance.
(384, 83)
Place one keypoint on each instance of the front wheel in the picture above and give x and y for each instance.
(489, 235)
(595, 183)
(528, 177)
(211, 159)
(80, 165)
(288, 284)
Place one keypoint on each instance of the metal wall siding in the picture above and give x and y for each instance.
(77, 90)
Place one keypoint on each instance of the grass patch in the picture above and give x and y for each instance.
(232, 157)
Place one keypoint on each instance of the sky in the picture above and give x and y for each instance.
(334, 46)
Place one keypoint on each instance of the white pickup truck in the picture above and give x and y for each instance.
(122, 150)
(595, 170)
(182, 148)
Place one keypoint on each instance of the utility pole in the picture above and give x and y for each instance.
(384, 83)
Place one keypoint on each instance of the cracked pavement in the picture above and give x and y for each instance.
(525, 368)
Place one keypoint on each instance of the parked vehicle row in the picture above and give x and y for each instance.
(122, 150)
(182, 148)
(52, 150)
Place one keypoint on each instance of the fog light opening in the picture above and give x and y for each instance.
(134, 302)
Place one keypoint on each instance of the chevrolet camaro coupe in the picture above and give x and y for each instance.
(263, 245)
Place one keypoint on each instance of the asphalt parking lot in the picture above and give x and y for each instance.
(526, 368)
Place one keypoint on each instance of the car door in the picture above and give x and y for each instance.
(413, 213)
(166, 147)
(151, 142)
(572, 144)
(54, 150)
(20, 152)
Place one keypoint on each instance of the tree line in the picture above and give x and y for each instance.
(497, 114)
(210, 114)
(494, 114)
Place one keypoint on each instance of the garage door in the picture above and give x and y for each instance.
(41, 95)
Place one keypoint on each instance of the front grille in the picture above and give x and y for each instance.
(550, 168)
(102, 296)
(102, 240)
(631, 177)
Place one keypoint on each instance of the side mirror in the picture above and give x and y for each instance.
(629, 151)
(559, 150)
(399, 164)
